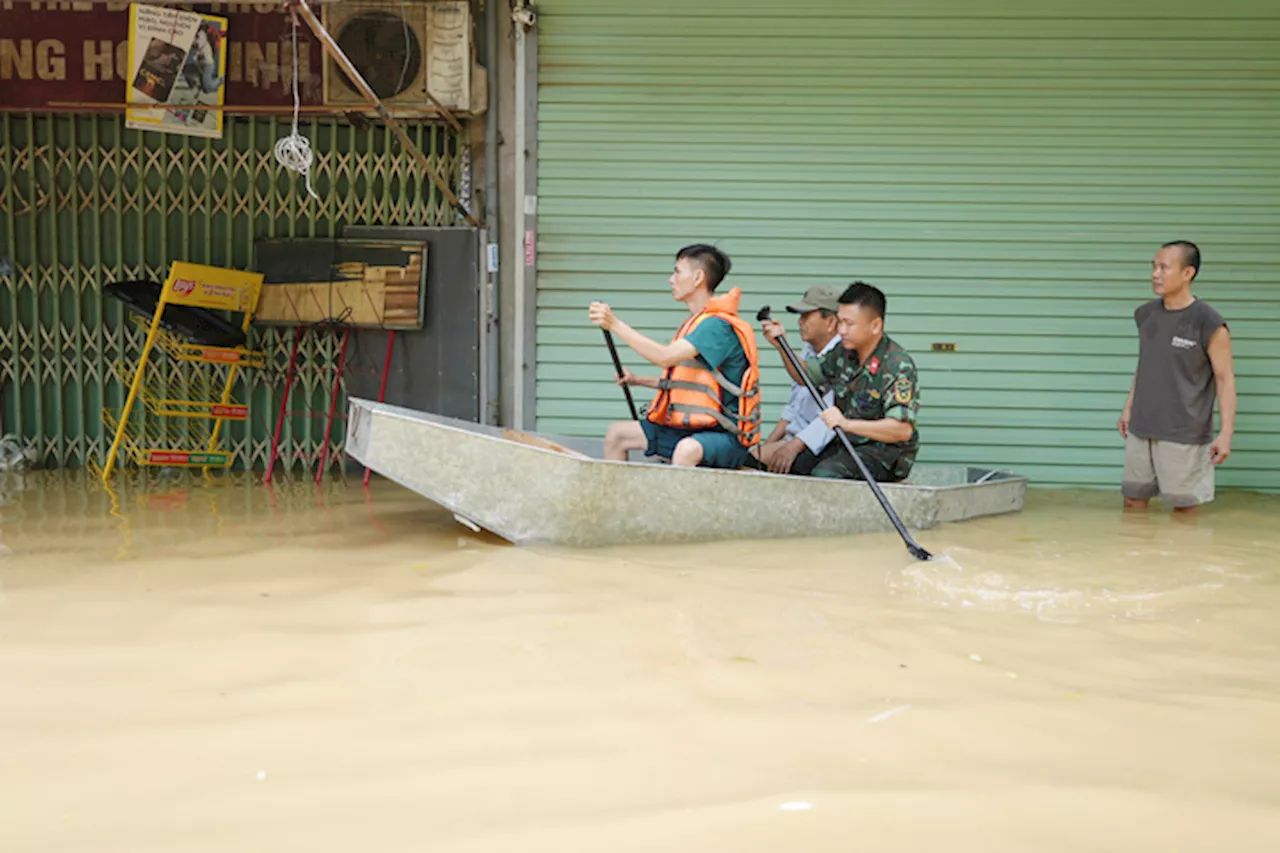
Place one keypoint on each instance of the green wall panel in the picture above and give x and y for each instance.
(1004, 173)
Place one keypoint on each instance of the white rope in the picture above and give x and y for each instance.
(294, 151)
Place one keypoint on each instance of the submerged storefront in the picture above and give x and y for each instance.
(1005, 176)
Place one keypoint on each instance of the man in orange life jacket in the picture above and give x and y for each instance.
(707, 409)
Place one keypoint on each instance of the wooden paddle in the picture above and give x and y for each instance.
(916, 551)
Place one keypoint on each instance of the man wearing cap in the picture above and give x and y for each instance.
(874, 380)
(800, 435)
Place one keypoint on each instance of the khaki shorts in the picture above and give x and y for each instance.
(1181, 474)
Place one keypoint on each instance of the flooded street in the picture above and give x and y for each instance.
(192, 667)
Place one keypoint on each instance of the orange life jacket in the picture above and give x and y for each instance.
(692, 397)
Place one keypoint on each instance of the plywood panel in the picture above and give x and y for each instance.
(362, 283)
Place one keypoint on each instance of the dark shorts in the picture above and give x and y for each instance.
(887, 464)
(719, 448)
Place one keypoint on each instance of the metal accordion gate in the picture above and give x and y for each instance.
(85, 202)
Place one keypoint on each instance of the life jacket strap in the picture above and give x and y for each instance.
(730, 424)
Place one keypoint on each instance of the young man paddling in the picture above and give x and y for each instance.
(1184, 357)
(874, 381)
(707, 409)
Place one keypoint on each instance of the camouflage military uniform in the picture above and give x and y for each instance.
(885, 387)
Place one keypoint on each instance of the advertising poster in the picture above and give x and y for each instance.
(178, 61)
(68, 57)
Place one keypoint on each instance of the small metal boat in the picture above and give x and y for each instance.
(533, 489)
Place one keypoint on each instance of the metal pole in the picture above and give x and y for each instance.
(524, 234)
(284, 401)
(333, 404)
(330, 46)
(382, 388)
(152, 333)
(492, 234)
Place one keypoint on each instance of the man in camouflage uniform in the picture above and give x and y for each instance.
(874, 383)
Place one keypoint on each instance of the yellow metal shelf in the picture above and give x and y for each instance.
(154, 448)
(180, 350)
(168, 400)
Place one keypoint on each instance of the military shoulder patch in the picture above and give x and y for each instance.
(902, 390)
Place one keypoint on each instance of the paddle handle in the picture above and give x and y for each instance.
(915, 549)
(617, 366)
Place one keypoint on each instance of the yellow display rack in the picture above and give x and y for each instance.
(180, 350)
(181, 398)
(153, 443)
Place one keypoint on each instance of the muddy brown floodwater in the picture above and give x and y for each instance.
(194, 667)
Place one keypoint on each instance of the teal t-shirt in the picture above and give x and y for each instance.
(719, 349)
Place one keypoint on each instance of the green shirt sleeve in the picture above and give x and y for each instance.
(823, 369)
(813, 367)
(715, 341)
(898, 389)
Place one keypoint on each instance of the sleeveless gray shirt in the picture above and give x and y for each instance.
(1173, 399)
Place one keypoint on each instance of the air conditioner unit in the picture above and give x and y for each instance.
(404, 50)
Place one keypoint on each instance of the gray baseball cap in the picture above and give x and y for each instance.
(818, 296)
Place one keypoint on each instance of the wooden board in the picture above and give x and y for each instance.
(362, 283)
(538, 441)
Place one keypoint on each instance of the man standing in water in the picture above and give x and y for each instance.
(707, 410)
(874, 381)
(1184, 352)
(800, 435)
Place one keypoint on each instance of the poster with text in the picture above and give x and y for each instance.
(177, 71)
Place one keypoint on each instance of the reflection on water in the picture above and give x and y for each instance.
(190, 513)
(205, 664)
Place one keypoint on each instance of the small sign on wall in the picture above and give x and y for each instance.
(177, 71)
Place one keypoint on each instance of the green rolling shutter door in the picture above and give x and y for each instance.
(1004, 175)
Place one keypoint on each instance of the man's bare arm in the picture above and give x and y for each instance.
(779, 432)
(629, 378)
(663, 355)
(1225, 375)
